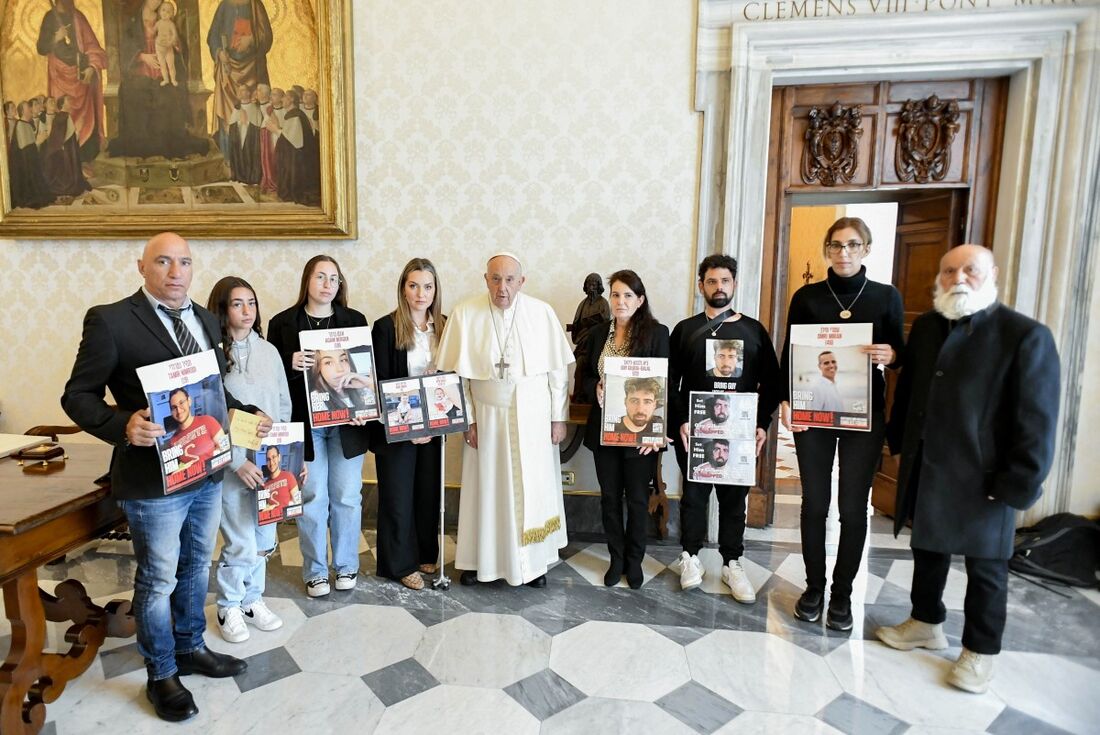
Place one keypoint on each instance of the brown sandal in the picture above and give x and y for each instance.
(413, 581)
(429, 568)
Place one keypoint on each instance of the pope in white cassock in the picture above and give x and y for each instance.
(513, 356)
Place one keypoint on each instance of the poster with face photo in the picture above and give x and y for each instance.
(427, 405)
(281, 459)
(830, 378)
(186, 397)
(341, 385)
(722, 415)
(725, 358)
(403, 409)
(445, 403)
(634, 400)
(721, 461)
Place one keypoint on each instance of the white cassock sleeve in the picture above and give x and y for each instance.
(559, 393)
(471, 416)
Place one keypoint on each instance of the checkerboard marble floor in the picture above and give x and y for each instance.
(577, 657)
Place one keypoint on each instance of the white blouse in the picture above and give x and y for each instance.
(421, 357)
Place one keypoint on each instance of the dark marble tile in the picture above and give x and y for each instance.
(856, 717)
(1014, 722)
(698, 707)
(121, 660)
(544, 694)
(435, 615)
(769, 558)
(397, 682)
(879, 566)
(680, 634)
(551, 624)
(265, 668)
(50, 728)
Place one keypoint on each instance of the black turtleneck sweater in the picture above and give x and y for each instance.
(879, 305)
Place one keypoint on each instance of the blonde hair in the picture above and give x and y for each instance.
(402, 316)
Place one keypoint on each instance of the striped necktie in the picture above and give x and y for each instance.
(187, 342)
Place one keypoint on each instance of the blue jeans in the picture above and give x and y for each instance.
(173, 542)
(332, 502)
(242, 566)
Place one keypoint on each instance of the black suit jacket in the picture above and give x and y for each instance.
(657, 346)
(118, 339)
(391, 363)
(282, 331)
(974, 419)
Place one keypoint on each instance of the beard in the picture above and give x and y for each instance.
(718, 300)
(961, 301)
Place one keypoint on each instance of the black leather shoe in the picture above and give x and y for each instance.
(634, 576)
(613, 574)
(468, 577)
(808, 607)
(171, 700)
(208, 663)
(538, 581)
(839, 616)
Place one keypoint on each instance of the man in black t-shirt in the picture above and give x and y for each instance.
(687, 372)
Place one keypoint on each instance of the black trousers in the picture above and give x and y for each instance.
(859, 456)
(408, 507)
(986, 603)
(693, 514)
(621, 474)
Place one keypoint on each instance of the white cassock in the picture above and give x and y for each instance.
(511, 516)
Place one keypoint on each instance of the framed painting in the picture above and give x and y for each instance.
(212, 118)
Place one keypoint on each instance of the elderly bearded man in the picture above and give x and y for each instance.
(974, 417)
(513, 356)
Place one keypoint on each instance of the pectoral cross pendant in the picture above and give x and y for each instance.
(502, 366)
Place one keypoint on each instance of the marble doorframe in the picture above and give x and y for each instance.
(1049, 190)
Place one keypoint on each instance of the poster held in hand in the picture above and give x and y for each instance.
(281, 459)
(722, 438)
(634, 400)
(341, 385)
(830, 378)
(426, 405)
(186, 397)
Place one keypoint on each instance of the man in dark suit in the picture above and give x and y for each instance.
(974, 418)
(173, 535)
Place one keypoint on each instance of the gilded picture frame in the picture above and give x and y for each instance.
(151, 115)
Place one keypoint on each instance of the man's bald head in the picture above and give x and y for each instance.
(504, 278)
(967, 281)
(166, 267)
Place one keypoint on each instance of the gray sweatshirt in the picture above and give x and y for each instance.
(256, 378)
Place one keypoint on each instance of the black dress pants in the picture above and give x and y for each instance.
(621, 470)
(986, 603)
(408, 506)
(693, 514)
(859, 456)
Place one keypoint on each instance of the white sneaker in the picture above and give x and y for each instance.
(345, 582)
(972, 672)
(260, 615)
(690, 570)
(231, 624)
(913, 634)
(317, 587)
(733, 574)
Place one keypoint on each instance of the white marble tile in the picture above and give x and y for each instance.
(620, 660)
(306, 702)
(1092, 596)
(597, 715)
(865, 586)
(910, 685)
(954, 593)
(481, 649)
(712, 565)
(776, 535)
(591, 563)
(933, 730)
(458, 709)
(760, 671)
(290, 551)
(258, 640)
(1050, 688)
(775, 723)
(355, 640)
(887, 541)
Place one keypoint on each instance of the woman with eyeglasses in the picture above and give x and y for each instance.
(333, 493)
(845, 296)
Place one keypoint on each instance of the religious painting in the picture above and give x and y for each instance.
(213, 118)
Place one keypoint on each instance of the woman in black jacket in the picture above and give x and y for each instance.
(631, 332)
(846, 295)
(405, 343)
(332, 497)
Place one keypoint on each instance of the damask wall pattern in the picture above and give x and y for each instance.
(563, 131)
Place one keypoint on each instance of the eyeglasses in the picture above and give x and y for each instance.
(321, 278)
(852, 246)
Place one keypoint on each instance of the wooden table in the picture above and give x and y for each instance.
(46, 512)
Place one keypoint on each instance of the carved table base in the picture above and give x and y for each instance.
(31, 678)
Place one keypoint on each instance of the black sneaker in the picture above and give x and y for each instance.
(839, 616)
(808, 607)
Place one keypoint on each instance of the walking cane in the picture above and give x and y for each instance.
(442, 582)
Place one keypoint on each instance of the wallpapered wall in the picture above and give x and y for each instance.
(563, 131)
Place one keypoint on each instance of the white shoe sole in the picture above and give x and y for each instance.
(691, 582)
(931, 644)
(968, 687)
(239, 638)
(267, 628)
(316, 592)
(345, 586)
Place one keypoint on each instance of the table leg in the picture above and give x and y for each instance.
(31, 678)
